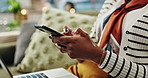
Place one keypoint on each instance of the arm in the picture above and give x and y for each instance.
(120, 67)
(113, 64)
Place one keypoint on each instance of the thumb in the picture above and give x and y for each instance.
(81, 33)
(67, 31)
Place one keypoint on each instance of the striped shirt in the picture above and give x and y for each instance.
(132, 60)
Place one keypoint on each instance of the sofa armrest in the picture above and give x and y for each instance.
(8, 45)
(6, 37)
(7, 51)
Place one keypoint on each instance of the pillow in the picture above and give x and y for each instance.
(23, 40)
(41, 53)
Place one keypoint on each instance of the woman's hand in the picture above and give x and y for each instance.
(67, 32)
(79, 47)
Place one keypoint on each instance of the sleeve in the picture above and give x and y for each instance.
(119, 67)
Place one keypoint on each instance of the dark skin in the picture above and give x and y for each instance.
(79, 47)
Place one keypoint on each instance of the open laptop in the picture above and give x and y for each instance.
(52, 73)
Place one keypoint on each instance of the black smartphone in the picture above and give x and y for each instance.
(48, 30)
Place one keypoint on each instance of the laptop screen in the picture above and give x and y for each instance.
(2, 63)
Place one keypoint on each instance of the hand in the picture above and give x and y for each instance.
(80, 47)
(67, 32)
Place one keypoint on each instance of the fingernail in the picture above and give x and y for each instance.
(66, 30)
(50, 37)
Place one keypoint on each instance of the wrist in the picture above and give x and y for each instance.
(100, 56)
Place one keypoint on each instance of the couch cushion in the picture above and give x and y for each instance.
(23, 40)
(41, 53)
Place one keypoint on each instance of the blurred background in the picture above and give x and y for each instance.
(33, 4)
(13, 12)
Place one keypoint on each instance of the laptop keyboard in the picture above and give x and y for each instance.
(39, 75)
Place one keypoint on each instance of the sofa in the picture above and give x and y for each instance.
(33, 49)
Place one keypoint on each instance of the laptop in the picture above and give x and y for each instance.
(52, 73)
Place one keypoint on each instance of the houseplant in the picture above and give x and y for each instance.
(15, 8)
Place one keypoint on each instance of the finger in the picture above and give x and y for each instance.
(71, 54)
(64, 39)
(57, 46)
(53, 39)
(81, 33)
(67, 31)
(60, 48)
(80, 60)
(62, 45)
(64, 50)
(66, 46)
(50, 37)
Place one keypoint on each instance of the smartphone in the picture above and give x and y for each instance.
(48, 30)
